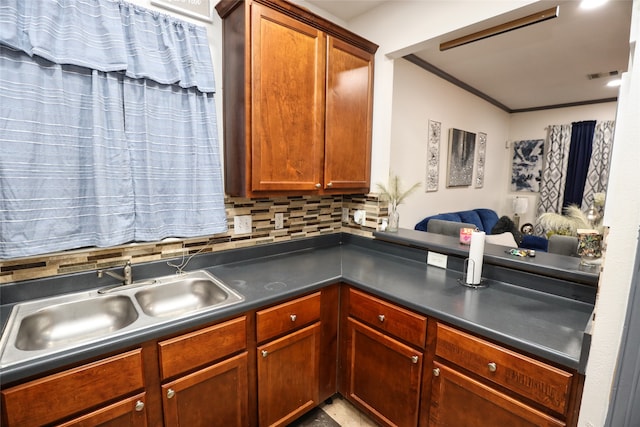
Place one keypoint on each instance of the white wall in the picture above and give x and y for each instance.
(419, 96)
(622, 215)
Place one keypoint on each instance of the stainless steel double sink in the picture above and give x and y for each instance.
(45, 326)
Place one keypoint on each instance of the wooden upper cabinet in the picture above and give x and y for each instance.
(348, 117)
(288, 74)
(297, 102)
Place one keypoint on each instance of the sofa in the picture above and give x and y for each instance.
(484, 220)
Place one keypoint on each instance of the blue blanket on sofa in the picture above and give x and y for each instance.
(485, 220)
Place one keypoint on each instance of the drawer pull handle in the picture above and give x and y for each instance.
(139, 405)
(414, 359)
(170, 393)
(492, 367)
(264, 353)
(293, 317)
(381, 317)
(436, 372)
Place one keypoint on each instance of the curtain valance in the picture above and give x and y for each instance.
(110, 36)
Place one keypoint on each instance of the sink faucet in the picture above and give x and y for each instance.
(126, 277)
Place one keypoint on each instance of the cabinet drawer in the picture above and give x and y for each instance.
(401, 323)
(287, 317)
(57, 396)
(196, 349)
(528, 377)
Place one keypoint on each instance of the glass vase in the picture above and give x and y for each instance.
(394, 220)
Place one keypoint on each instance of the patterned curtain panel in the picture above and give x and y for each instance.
(554, 175)
(598, 172)
(107, 127)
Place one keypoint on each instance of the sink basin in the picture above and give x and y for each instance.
(182, 295)
(41, 327)
(60, 324)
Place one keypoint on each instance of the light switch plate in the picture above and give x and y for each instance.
(436, 259)
(242, 224)
(279, 218)
(360, 216)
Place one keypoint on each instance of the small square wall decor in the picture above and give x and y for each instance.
(462, 147)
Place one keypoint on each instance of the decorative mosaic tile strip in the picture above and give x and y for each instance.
(304, 216)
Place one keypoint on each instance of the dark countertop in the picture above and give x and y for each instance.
(541, 323)
(545, 264)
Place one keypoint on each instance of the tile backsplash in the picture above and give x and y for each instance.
(304, 216)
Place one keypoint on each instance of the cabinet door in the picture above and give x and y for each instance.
(287, 102)
(383, 375)
(214, 396)
(126, 413)
(288, 382)
(348, 117)
(460, 401)
(74, 391)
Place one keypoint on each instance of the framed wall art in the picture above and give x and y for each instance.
(200, 9)
(462, 145)
(433, 157)
(526, 170)
(481, 160)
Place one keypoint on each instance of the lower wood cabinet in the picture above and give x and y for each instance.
(382, 358)
(270, 366)
(214, 396)
(288, 359)
(204, 376)
(383, 375)
(129, 412)
(288, 376)
(474, 379)
(105, 392)
(458, 401)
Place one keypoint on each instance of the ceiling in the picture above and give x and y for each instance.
(544, 65)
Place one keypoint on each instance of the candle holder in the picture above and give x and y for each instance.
(589, 247)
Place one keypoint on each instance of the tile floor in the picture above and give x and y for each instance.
(345, 414)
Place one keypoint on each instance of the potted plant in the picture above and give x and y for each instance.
(395, 196)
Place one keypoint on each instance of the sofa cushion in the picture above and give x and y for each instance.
(483, 219)
(472, 217)
(448, 228)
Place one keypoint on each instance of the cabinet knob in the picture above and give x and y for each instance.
(492, 366)
(330, 184)
(414, 359)
(381, 317)
(318, 185)
(139, 405)
(293, 317)
(264, 353)
(436, 372)
(170, 393)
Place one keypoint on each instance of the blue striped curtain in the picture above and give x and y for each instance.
(107, 127)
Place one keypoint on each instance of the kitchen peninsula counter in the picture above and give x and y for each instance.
(551, 325)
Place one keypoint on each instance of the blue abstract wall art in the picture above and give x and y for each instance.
(527, 165)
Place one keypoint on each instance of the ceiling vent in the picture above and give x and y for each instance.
(602, 75)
